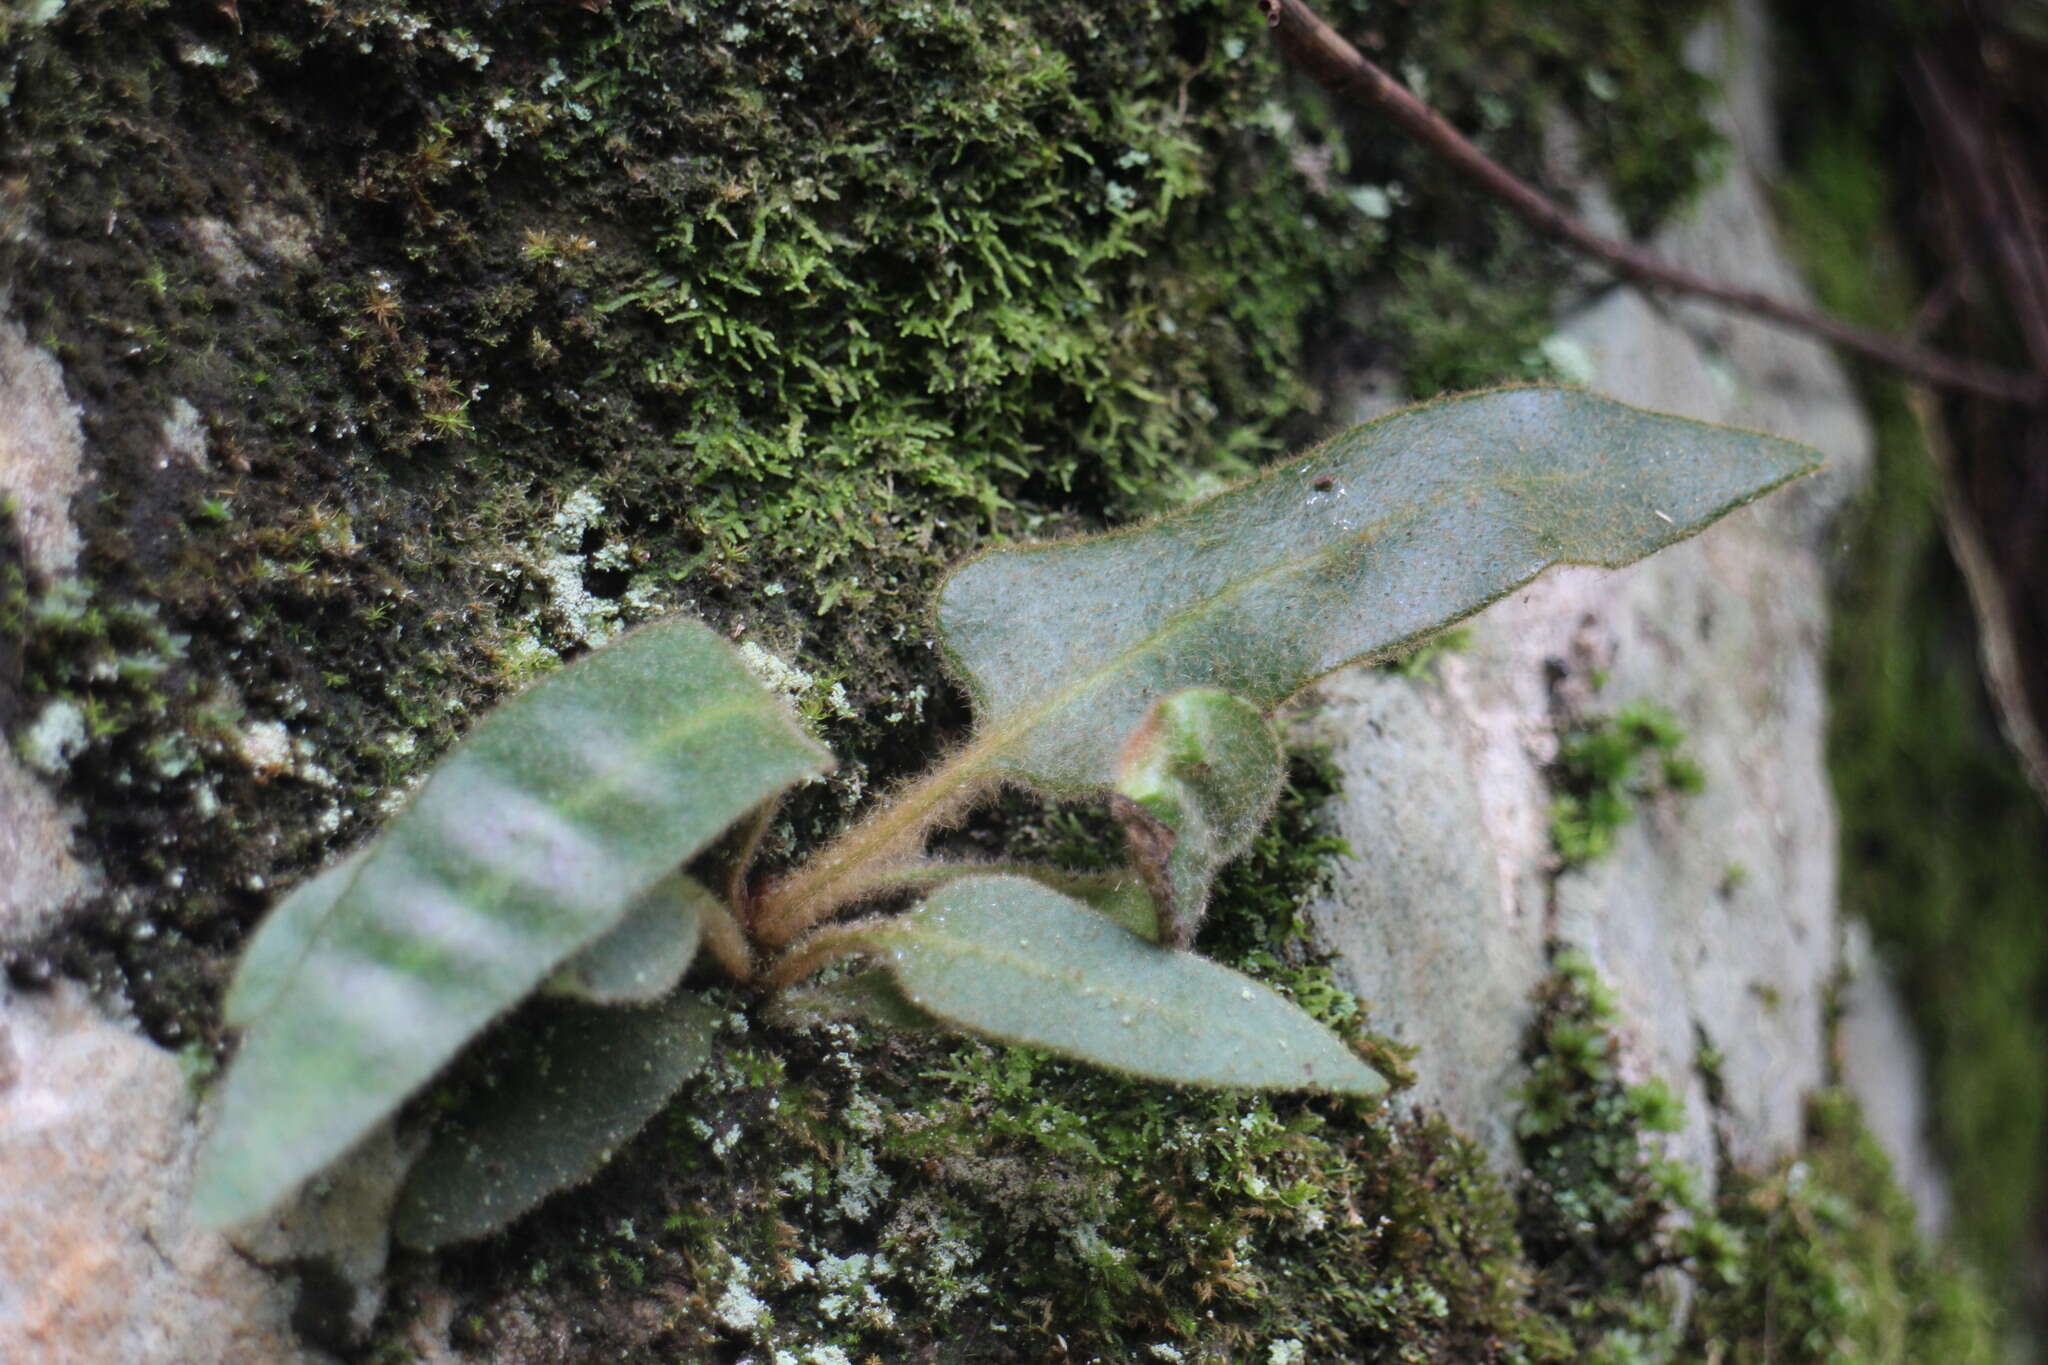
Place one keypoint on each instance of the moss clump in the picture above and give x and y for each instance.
(1834, 1270)
(1620, 71)
(1601, 1214)
(1422, 663)
(1816, 1260)
(1461, 325)
(110, 660)
(1606, 766)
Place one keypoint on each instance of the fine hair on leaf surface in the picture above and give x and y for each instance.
(988, 953)
(528, 842)
(1352, 551)
(595, 1077)
(545, 855)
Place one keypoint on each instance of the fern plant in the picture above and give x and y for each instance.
(557, 851)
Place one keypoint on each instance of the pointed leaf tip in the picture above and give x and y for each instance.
(1373, 540)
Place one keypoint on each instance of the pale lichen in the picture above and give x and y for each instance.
(48, 743)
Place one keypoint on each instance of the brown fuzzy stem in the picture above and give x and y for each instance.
(738, 879)
(723, 936)
(820, 949)
(859, 861)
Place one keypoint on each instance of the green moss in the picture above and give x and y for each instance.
(110, 659)
(1619, 70)
(1944, 848)
(881, 1194)
(1422, 663)
(1815, 1260)
(848, 284)
(1601, 1213)
(1834, 1270)
(1462, 326)
(1605, 767)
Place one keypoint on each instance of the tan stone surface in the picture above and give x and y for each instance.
(99, 1262)
(41, 469)
(38, 875)
(41, 450)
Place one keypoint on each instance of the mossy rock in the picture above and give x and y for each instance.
(418, 348)
(421, 347)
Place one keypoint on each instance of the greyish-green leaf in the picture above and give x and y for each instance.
(1122, 895)
(1354, 550)
(594, 1079)
(643, 956)
(525, 845)
(1193, 785)
(1011, 958)
(279, 944)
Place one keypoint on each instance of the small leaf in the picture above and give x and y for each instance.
(528, 843)
(280, 942)
(1013, 959)
(645, 955)
(1193, 786)
(1358, 549)
(594, 1079)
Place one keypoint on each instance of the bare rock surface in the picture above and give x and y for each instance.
(1715, 917)
(99, 1260)
(41, 450)
(39, 877)
(1877, 1051)
(41, 469)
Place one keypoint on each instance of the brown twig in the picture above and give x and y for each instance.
(1997, 638)
(1339, 67)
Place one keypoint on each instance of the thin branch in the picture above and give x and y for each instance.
(1997, 640)
(1339, 67)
